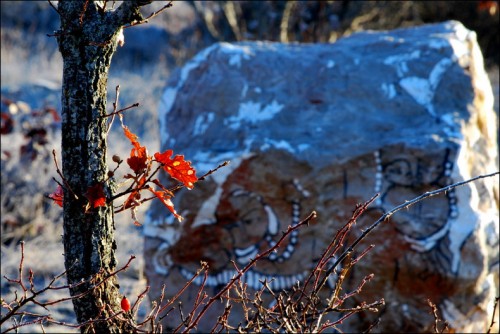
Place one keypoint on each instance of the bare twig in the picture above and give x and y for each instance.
(135, 105)
(115, 106)
(202, 178)
(406, 204)
(252, 262)
(437, 320)
(18, 303)
(66, 184)
(153, 14)
(493, 316)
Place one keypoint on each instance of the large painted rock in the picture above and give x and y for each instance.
(323, 127)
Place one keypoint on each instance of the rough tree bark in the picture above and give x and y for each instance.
(87, 40)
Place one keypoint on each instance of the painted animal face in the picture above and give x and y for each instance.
(243, 214)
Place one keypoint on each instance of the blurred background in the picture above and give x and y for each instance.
(31, 75)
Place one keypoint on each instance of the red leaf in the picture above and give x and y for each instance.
(178, 168)
(138, 159)
(138, 155)
(57, 196)
(54, 114)
(96, 196)
(165, 199)
(132, 137)
(131, 200)
(7, 124)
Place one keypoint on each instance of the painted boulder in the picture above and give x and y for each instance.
(324, 127)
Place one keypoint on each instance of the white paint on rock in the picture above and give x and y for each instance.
(253, 112)
(400, 61)
(169, 234)
(419, 89)
(244, 90)
(279, 144)
(470, 322)
(206, 213)
(423, 89)
(236, 53)
(202, 122)
(168, 97)
(389, 90)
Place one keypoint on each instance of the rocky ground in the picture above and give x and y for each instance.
(31, 70)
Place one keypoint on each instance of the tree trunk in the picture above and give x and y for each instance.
(87, 41)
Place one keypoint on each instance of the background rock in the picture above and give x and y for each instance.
(323, 127)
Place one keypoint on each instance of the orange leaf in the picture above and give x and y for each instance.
(57, 196)
(178, 168)
(96, 196)
(132, 137)
(165, 199)
(138, 155)
(131, 200)
(138, 159)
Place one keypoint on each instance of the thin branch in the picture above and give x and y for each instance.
(115, 106)
(128, 12)
(493, 316)
(122, 110)
(437, 320)
(252, 262)
(201, 178)
(153, 14)
(35, 293)
(210, 172)
(204, 267)
(406, 204)
(67, 186)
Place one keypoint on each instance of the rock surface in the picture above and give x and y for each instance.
(323, 127)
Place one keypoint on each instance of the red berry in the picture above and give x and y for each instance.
(125, 304)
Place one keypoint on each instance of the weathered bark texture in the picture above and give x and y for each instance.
(87, 41)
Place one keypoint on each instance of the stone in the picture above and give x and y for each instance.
(323, 127)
